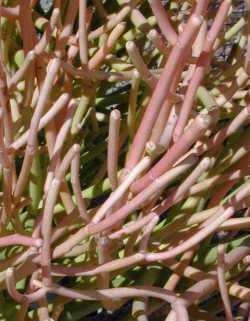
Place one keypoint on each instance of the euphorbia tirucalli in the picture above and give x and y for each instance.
(124, 158)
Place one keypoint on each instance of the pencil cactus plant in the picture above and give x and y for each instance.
(124, 160)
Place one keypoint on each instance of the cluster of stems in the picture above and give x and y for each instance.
(125, 159)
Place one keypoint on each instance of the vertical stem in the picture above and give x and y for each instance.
(222, 283)
(82, 33)
(163, 21)
(32, 139)
(162, 91)
(113, 147)
(75, 181)
(133, 96)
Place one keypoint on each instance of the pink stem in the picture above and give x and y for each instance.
(28, 60)
(208, 281)
(110, 24)
(17, 239)
(93, 270)
(225, 132)
(220, 194)
(144, 196)
(222, 283)
(132, 227)
(113, 147)
(100, 55)
(196, 130)
(162, 91)
(175, 278)
(161, 122)
(192, 241)
(210, 226)
(31, 143)
(140, 65)
(5, 104)
(181, 312)
(43, 42)
(48, 212)
(10, 12)
(83, 39)
(202, 64)
(235, 224)
(124, 211)
(181, 191)
(21, 298)
(147, 233)
(7, 170)
(155, 37)
(167, 133)
(65, 33)
(217, 179)
(75, 181)
(104, 256)
(60, 139)
(163, 21)
(97, 295)
(59, 104)
(127, 180)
